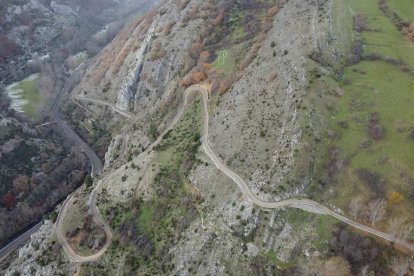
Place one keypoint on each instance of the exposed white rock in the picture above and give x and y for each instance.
(27, 264)
(252, 250)
(127, 91)
(62, 9)
(113, 149)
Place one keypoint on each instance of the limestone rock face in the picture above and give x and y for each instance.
(129, 85)
(27, 263)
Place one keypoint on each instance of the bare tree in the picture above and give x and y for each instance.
(355, 206)
(376, 210)
(406, 231)
(337, 266)
(400, 266)
(398, 228)
(312, 268)
(394, 225)
(365, 270)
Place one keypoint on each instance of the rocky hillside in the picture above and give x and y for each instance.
(40, 166)
(273, 71)
(146, 68)
(35, 29)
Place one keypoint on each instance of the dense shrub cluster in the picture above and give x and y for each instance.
(358, 251)
(7, 47)
(374, 129)
(373, 181)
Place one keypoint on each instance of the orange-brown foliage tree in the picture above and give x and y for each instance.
(195, 50)
(395, 198)
(193, 78)
(250, 56)
(8, 200)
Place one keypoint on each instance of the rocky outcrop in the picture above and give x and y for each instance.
(129, 85)
(27, 263)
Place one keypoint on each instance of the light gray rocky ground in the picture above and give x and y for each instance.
(230, 230)
(267, 99)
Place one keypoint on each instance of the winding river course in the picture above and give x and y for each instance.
(305, 204)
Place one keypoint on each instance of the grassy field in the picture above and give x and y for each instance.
(404, 9)
(224, 60)
(384, 88)
(386, 40)
(28, 98)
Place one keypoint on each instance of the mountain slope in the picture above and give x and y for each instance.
(272, 70)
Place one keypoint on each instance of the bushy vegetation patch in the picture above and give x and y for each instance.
(149, 228)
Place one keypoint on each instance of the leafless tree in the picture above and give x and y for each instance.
(376, 210)
(312, 268)
(400, 266)
(365, 270)
(398, 228)
(337, 266)
(406, 231)
(394, 225)
(355, 206)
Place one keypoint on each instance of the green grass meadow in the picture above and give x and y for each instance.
(384, 88)
(28, 90)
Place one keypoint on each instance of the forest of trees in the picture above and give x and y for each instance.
(38, 169)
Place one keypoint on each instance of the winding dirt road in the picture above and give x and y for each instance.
(305, 204)
(101, 102)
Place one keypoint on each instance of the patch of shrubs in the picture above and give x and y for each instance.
(358, 251)
(412, 134)
(374, 129)
(372, 180)
(356, 53)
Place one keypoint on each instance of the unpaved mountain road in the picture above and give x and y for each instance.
(104, 103)
(70, 253)
(305, 204)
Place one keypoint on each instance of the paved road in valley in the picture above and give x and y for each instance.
(96, 169)
(71, 134)
(19, 241)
